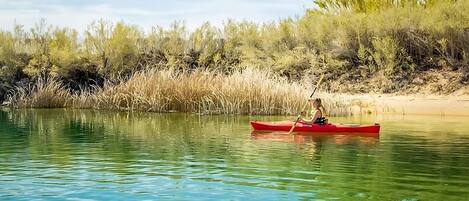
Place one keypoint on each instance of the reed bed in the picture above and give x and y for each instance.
(247, 91)
(45, 93)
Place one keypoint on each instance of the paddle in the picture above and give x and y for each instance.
(311, 96)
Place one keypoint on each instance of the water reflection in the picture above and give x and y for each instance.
(337, 138)
(86, 154)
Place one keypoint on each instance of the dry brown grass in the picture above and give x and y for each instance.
(249, 91)
(45, 93)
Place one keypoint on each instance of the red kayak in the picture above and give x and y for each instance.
(320, 128)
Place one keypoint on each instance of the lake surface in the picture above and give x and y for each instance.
(98, 155)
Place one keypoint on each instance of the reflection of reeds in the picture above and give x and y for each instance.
(249, 91)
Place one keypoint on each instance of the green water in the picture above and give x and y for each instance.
(97, 155)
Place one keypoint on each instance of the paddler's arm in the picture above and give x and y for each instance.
(306, 121)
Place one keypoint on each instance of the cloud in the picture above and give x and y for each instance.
(145, 13)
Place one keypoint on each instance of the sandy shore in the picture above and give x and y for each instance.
(420, 105)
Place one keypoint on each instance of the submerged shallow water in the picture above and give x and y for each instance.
(98, 155)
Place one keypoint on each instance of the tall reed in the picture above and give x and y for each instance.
(45, 93)
(244, 92)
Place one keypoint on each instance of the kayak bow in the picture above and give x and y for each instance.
(300, 127)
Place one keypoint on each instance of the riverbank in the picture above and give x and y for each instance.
(388, 104)
(411, 104)
(251, 91)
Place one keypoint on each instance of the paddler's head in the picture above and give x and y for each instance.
(315, 102)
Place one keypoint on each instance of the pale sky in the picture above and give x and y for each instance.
(145, 13)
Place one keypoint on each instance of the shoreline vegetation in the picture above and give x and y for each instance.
(204, 92)
(250, 91)
(393, 50)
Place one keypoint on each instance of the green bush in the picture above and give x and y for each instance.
(114, 48)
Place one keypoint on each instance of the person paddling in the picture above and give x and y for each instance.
(317, 113)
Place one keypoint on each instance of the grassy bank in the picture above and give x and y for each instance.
(249, 91)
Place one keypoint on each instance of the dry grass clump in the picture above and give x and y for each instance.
(45, 93)
(244, 92)
(249, 91)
